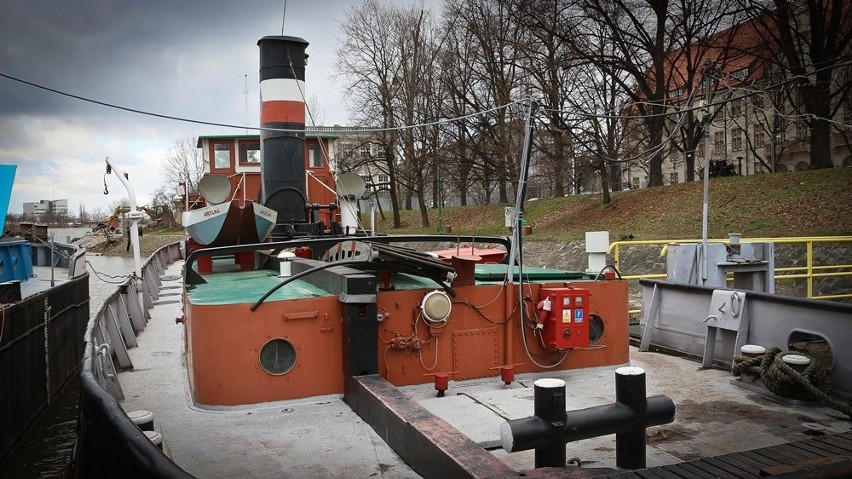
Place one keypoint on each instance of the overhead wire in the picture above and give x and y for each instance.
(342, 130)
(666, 103)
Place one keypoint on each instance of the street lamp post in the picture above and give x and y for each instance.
(709, 68)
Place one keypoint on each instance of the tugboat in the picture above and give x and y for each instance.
(311, 353)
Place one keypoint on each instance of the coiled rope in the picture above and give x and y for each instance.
(812, 384)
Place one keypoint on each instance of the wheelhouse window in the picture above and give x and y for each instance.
(250, 153)
(221, 156)
(315, 156)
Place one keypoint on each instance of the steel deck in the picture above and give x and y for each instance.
(720, 430)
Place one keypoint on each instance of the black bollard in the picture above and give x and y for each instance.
(548, 431)
(549, 405)
(630, 443)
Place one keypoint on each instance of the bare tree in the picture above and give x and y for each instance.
(162, 208)
(548, 59)
(459, 79)
(418, 102)
(368, 61)
(185, 164)
(812, 40)
(494, 64)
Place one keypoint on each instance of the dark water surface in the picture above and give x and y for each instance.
(46, 448)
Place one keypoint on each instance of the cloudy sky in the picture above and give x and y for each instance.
(179, 58)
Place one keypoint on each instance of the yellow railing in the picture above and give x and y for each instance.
(809, 271)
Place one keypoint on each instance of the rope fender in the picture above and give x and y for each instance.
(812, 384)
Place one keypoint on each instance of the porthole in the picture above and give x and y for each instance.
(278, 356)
(596, 328)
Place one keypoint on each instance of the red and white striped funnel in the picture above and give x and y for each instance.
(282, 114)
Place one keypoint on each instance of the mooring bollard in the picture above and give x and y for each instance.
(551, 428)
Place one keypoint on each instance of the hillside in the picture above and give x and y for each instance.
(806, 203)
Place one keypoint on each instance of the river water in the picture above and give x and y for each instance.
(46, 448)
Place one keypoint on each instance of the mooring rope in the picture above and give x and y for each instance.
(812, 384)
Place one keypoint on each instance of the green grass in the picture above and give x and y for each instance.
(806, 203)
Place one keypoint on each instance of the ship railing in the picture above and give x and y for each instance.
(108, 442)
(812, 271)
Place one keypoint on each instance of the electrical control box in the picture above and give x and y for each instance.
(568, 323)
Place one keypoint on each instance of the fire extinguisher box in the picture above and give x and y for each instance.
(568, 324)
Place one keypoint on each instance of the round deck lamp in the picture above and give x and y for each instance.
(436, 307)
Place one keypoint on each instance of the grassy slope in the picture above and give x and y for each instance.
(807, 203)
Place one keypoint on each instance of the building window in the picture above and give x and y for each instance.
(736, 108)
(250, 153)
(736, 139)
(802, 132)
(364, 151)
(635, 182)
(221, 156)
(673, 178)
(718, 142)
(379, 151)
(740, 74)
(676, 93)
(315, 156)
(383, 178)
(759, 136)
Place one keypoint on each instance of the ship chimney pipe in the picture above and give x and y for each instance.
(282, 84)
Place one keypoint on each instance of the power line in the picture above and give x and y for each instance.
(245, 127)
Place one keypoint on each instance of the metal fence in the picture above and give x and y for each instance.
(822, 257)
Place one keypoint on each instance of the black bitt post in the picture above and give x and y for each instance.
(550, 406)
(630, 443)
(551, 428)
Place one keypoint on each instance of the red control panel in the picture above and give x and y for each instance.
(567, 325)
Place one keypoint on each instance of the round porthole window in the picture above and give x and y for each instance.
(596, 328)
(278, 356)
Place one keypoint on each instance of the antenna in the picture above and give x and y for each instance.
(284, 18)
(245, 95)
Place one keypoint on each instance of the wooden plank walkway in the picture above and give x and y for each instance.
(822, 456)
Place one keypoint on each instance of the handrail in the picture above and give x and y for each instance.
(809, 271)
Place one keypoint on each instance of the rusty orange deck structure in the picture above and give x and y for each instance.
(311, 335)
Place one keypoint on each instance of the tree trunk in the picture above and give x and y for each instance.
(818, 105)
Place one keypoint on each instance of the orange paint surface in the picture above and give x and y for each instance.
(224, 342)
(282, 112)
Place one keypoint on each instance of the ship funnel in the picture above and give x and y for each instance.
(282, 117)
